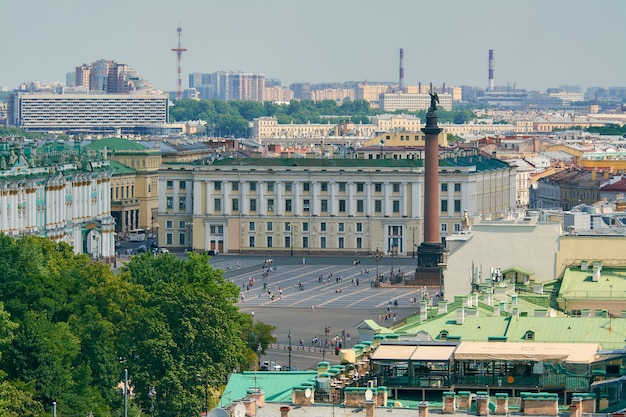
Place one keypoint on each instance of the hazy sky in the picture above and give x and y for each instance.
(537, 43)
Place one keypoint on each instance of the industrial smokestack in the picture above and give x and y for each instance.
(401, 69)
(491, 82)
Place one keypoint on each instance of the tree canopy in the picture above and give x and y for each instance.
(69, 327)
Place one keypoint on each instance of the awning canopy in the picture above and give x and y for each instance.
(413, 353)
(564, 352)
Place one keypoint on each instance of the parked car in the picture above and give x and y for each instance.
(267, 366)
(162, 250)
(142, 249)
(289, 368)
(212, 252)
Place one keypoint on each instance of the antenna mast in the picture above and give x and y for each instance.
(179, 52)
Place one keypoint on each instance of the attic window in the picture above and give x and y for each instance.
(443, 335)
(530, 335)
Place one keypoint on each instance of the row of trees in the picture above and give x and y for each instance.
(231, 118)
(69, 327)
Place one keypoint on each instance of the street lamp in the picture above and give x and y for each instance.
(377, 256)
(393, 252)
(413, 229)
(289, 337)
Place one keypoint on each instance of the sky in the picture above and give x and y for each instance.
(537, 44)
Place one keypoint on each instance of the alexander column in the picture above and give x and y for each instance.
(430, 251)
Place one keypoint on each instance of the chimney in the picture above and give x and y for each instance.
(370, 406)
(284, 411)
(401, 83)
(442, 308)
(460, 315)
(423, 311)
(491, 81)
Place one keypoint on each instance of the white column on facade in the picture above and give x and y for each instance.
(351, 209)
(296, 203)
(197, 202)
(387, 208)
(315, 196)
(207, 198)
(404, 206)
(332, 200)
(368, 199)
(207, 232)
(261, 204)
(225, 200)
(279, 204)
(243, 201)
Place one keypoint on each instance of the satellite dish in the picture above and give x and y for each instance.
(239, 410)
(307, 393)
(369, 395)
(218, 412)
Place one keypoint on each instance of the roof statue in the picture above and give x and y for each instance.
(434, 100)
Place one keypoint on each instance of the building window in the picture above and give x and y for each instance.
(253, 204)
(218, 204)
(181, 239)
(323, 227)
(132, 191)
(182, 185)
(378, 206)
(324, 205)
(457, 227)
(576, 313)
(444, 187)
(305, 205)
(359, 243)
(288, 205)
(182, 224)
(340, 243)
(253, 186)
(270, 226)
(444, 206)
(169, 224)
(530, 335)
(444, 227)
(457, 205)
(341, 227)
(270, 186)
(217, 185)
(443, 335)
(235, 185)
(359, 227)
(169, 239)
(170, 202)
(457, 187)
(251, 241)
(169, 185)
(251, 226)
(359, 187)
(359, 206)
(288, 186)
(235, 204)
(270, 241)
(182, 203)
(396, 206)
(305, 227)
(216, 229)
(323, 242)
(287, 241)
(378, 187)
(287, 227)
(342, 205)
(306, 186)
(149, 188)
(270, 204)
(396, 187)
(324, 186)
(342, 187)
(305, 241)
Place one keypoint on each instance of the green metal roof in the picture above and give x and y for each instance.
(121, 169)
(277, 386)
(116, 144)
(579, 284)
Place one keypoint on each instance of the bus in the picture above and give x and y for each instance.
(137, 235)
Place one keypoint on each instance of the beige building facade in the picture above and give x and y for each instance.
(317, 206)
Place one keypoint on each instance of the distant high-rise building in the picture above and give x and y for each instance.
(110, 77)
(228, 85)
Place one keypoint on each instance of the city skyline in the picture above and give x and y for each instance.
(536, 44)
